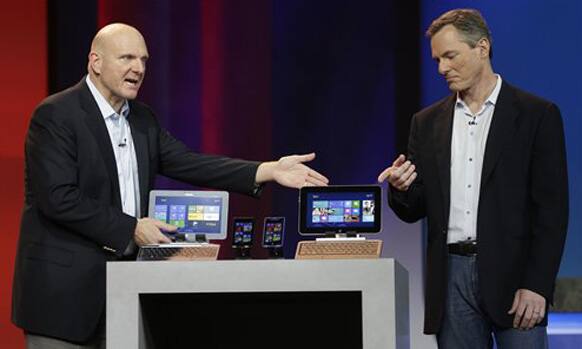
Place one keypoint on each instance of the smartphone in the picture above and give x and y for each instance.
(273, 232)
(243, 231)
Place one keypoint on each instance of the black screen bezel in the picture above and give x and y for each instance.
(274, 219)
(243, 220)
(376, 189)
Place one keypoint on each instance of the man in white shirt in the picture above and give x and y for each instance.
(487, 167)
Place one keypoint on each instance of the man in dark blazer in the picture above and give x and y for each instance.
(92, 154)
(487, 167)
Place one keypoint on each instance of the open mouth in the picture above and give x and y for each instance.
(132, 82)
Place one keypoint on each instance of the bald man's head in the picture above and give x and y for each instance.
(117, 62)
(112, 32)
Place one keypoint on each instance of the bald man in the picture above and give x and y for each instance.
(92, 153)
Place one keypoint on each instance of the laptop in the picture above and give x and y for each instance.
(200, 216)
(340, 217)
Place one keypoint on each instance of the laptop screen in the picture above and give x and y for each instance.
(195, 212)
(340, 209)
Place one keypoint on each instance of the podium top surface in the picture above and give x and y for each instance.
(252, 275)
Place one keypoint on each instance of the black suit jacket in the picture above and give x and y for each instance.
(72, 220)
(523, 203)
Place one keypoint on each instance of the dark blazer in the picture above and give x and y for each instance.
(72, 217)
(523, 204)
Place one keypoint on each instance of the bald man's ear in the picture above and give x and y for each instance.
(95, 63)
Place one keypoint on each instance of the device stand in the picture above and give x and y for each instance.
(276, 253)
(196, 238)
(243, 252)
(341, 237)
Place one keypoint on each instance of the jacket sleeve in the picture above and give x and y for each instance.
(178, 162)
(549, 204)
(410, 205)
(53, 176)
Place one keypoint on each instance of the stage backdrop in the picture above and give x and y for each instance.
(24, 83)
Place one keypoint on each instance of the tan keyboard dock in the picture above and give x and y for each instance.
(342, 249)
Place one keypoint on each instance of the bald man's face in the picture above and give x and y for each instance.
(119, 64)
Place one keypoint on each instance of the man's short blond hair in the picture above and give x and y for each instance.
(470, 24)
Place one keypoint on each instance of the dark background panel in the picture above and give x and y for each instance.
(334, 83)
(71, 26)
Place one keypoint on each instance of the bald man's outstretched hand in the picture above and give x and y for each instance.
(290, 171)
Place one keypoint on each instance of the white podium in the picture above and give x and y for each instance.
(382, 285)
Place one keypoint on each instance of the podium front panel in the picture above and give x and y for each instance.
(360, 303)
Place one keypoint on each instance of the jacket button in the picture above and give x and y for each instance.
(444, 231)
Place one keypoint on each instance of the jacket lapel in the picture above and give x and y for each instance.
(501, 130)
(96, 124)
(443, 131)
(140, 140)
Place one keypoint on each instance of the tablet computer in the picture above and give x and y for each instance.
(193, 212)
(346, 209)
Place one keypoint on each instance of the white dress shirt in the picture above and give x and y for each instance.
(469, 140)
(124, 150)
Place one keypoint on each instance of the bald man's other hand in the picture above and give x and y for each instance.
(400, 175)
(149, 231)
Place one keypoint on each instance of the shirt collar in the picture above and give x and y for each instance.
(105, 108)
(492, 99)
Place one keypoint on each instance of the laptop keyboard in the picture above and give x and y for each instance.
(179, 253)
(338, 249)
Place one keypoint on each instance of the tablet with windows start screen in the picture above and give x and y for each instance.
(349, 209)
